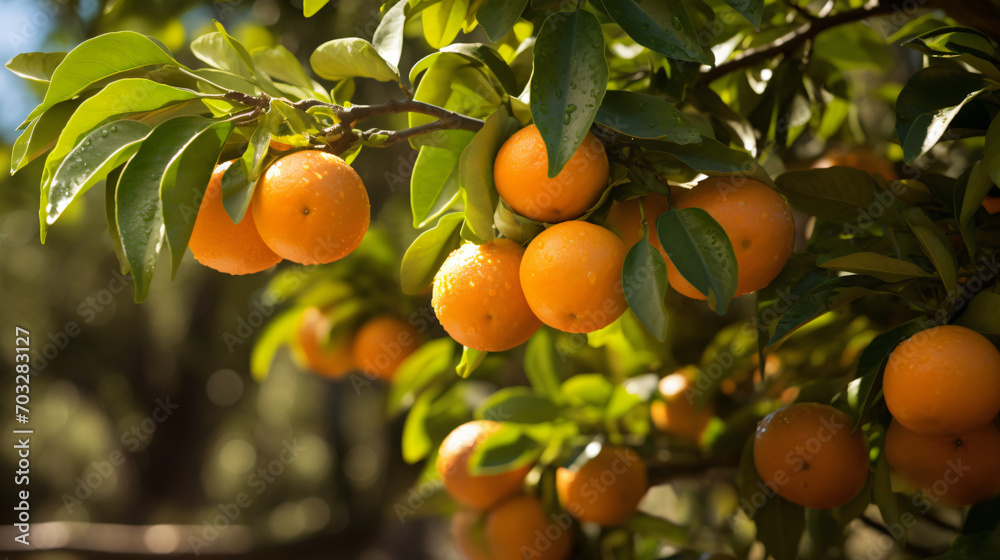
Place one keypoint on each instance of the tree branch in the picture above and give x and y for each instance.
(405, 134)
(794, 39)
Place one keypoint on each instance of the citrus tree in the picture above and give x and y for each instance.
(683, 277)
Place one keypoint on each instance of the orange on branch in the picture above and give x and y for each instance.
(327, 357)
(216, 242)
(757, 221)
(677, 413)
(476, 491)
(517, 528)
(520, 172)
(572, 277)
(625, 217)
(808, 455)
(606, 489)
(859, 158)
(943, 381)
(311, 207)
(382, 343)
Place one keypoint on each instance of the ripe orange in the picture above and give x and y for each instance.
(808, 455)
(943, 381)
(521, 175)
(606, 489)
(331, 359)
(280, 146)
(218, 243)
(758, 222)
(311, 207)
(476, 491)
(992, 204)
(477, 297)
(572, 277)
(677, 414)
(624, 217)
(953, 470)
(517, 528)
(382, 343)
(859, 158)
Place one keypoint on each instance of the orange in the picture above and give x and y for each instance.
(477, 297)
(624, 217)
(808, 455)
(953, 470)
(992, 204)
(280, 146)
(943, 381)
(521, 175)
(311, 207)
(331, 359)
(476, 491)
(572, 277)
(606, 489)
(859, 158)
(677, 414)
(382, 343)
(218, 243)
(758, 222)
(517, 528)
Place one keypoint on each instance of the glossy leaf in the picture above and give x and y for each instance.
(885, 499)
(931, 99)
(281, 64)
(823, 298)
(340, 59)
(505, 449)
(277, 332)
(428, 251)
(646, 116)
(489, 58)
(239, 181)
(779, 522)
(835, 194)
(35, 66)
(41, 134)
(588, 389)
(475, 172)
(388, 38)
(310, 7)
(430, 361)
(97, 59)
(700, 249)
(876, 265)
(644, 280)
(471, 359)
(499, 16)
(568, 82)
(872, 361)
(213, 49)
(664, 26)
(540, 365)
(991, 156)
(101, 151)
(442, 21)
(935, 245)
(184, 184)
(750, 9)
(433, 183)
(982, 313)
(518, 405)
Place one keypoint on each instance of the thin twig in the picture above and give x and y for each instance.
(394, 136)
(794, 39)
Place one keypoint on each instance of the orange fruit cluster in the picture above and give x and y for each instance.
(808, 454)
(676, 414)
(942, 387)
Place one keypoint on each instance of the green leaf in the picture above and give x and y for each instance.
(101, 151)
(428, 251)
(388, 38)
(128, 98)
(491, 59)
(246, 60)
(184, 184)
(931, 99)
(713, 158)
(499, 16)
(872, 361)
(310, 7)
(885, 499)
(340, 59)
(568, 82)
(700, 249)
(991, 161)
(983, 313)
(644, 279)
(540, 365)
(982, 517)
(443, 20)
(475, 172)
(518, 405)
(653, 527)
(588, 389)
(879, 266)
(35, 66)
(827, 296)
(281, 64)
(416, 443)
(646, 116)
(664, 26)
(503, 450)
(750, 9)
(97, 59)
(41, 134)
(779, 522)
(935, 245)
(622, 401)
(140, 217)
(238, 181)
(471, 359)
(973, 547)
(835, 194)
(433, 183)
(111, 213)
(955, 41)
(276, 334)
(451, 82)
(427, 363)
(213, 49)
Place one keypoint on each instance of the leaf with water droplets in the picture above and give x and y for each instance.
(701, 251)
(568, 54)
(644, 279)
(475, 172)
(428, 251)
(750, 9)
(80, 171)
(646, 116)
(663, 26)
